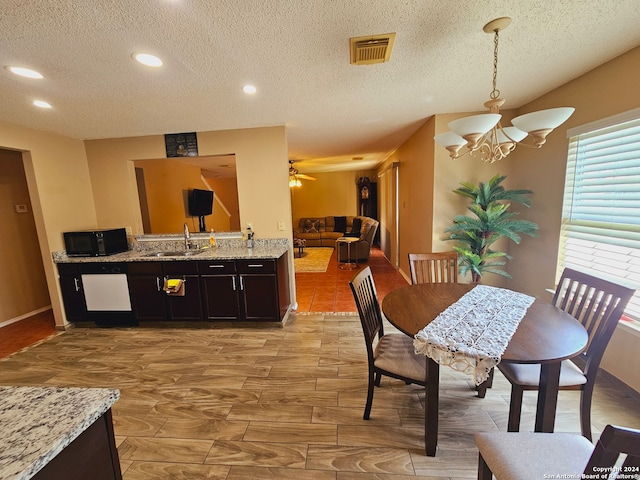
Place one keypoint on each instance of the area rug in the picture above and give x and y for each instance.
(314, 259)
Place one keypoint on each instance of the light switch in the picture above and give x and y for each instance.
(21, 208)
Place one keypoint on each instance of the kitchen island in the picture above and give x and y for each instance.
(57, 433)
(230, 283)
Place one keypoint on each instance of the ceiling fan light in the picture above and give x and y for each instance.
(543, 119)
(476, 124)
(513, 134)
(449, 139)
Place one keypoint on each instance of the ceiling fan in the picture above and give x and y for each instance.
(295, 176)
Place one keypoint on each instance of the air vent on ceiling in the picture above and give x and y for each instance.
(371, 49)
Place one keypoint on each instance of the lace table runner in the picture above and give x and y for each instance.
(472, 334)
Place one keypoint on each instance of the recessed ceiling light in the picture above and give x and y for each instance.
(250, 89)
(42, 104)
(147, 59)
(24, 72)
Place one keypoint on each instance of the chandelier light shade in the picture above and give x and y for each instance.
(483, 136)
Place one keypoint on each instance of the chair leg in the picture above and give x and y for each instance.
(515, 409)
(484, 472)
(367, 407)
(378, 377)
(586, 394)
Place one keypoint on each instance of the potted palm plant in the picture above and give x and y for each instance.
(492, 220)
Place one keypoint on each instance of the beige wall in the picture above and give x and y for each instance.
(416, 194)
(262, 168)
(334, 193)
(24, 286)
(427, 204)
(608, 90)
(60, 193)
(226, 192)
(605, 91)
(259, 154)
(167, 183)
(77, 185)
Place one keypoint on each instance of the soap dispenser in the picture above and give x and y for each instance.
(212, 240)
(249, 237)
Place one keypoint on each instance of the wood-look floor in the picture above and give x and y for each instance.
(281, 403)
(278, 403)
(26, 332)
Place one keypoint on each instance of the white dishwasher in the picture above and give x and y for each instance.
(106, 294)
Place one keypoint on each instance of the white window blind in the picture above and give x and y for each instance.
(600, 231)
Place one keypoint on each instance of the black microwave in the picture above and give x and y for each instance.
(95, 243)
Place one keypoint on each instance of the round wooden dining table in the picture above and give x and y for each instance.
(546, 336)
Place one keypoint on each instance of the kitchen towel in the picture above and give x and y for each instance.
(174, 287)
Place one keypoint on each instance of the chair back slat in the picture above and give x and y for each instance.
(439, 267)
(615, 441)
(366, 298)
(596, 303)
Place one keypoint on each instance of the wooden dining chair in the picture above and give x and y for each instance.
(598, 304)
(392, 354)
(437, 267)
(529, 455)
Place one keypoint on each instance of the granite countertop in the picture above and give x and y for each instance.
(37, 423)
(228, 249)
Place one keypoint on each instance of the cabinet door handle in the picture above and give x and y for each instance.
(241, 284)
(158, 284)
(234, 283)
(255, 265)
(216, 266)
(76, 284)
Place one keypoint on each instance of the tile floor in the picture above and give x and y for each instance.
(330, 292)
(285, 403)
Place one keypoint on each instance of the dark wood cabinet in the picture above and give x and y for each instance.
(259, 297)
(93, 454)
(247, 290)
(149, 300)
(145, 288)
(72, 292)
(258, 289)
(220, 290)
(254, 290)
(187, 306)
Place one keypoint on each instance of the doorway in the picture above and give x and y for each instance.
(24, 293)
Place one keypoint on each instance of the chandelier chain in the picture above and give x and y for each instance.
(495, 93)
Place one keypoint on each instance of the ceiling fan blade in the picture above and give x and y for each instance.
(305, 177)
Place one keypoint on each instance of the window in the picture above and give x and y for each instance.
(600, 231)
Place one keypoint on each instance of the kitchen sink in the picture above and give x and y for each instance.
(178, 253)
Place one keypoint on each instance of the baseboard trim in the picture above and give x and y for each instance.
(26, 315)
(619, 383)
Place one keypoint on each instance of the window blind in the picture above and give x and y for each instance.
(600, 231)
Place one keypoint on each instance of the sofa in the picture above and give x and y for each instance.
(324, 231)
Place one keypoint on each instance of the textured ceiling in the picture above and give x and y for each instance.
(296, 52)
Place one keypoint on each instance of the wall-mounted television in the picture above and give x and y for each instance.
(200, 202)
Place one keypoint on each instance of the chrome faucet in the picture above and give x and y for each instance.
(187, 243)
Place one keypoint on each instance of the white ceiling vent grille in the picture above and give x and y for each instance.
(371, 49)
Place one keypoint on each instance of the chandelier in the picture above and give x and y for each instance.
(483, 136)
